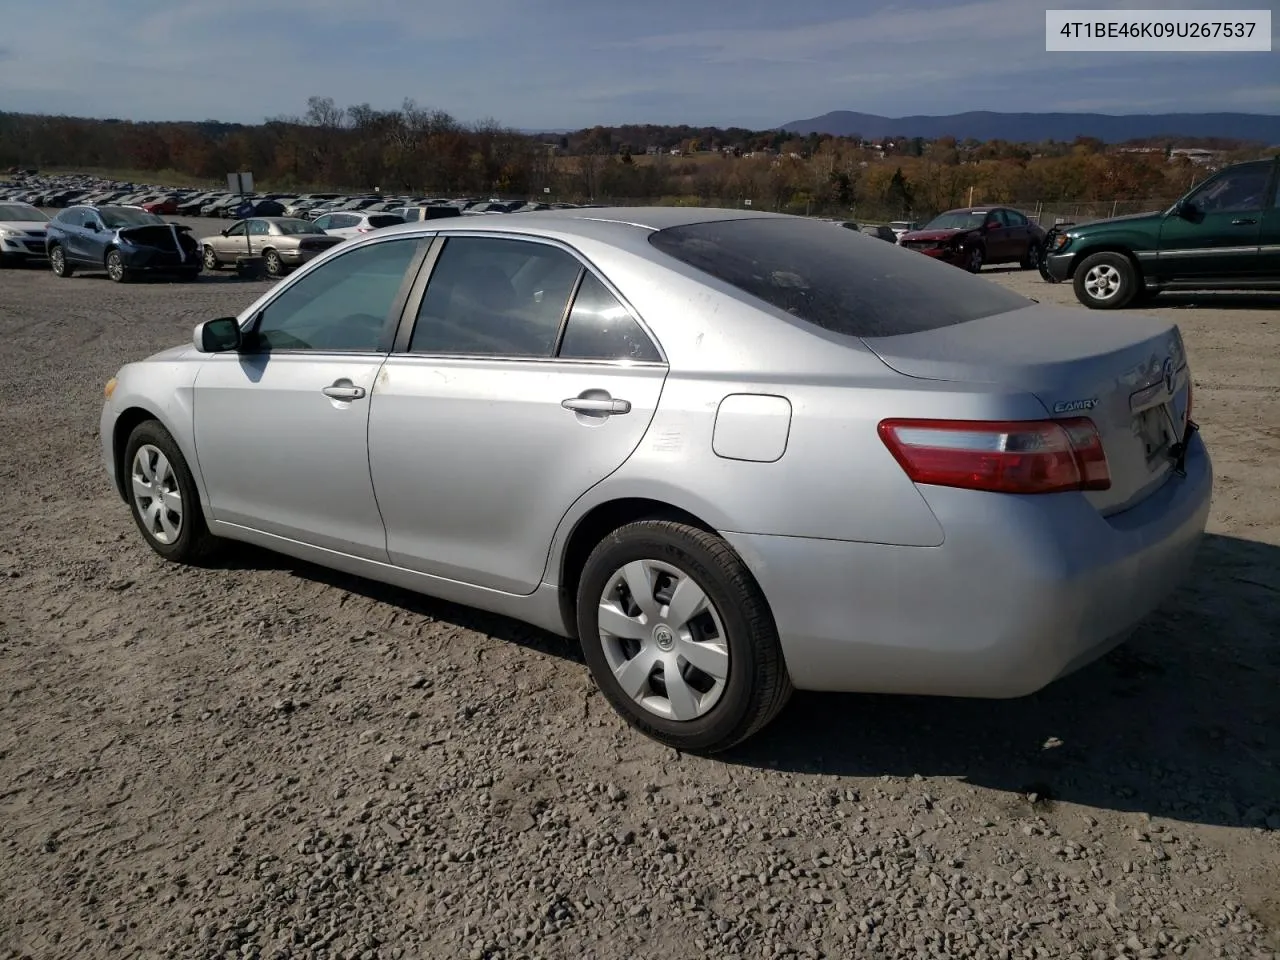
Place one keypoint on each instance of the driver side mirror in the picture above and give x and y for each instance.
(1185, 209)
(217, 336)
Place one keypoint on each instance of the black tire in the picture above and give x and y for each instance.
(757, 685)
(116, 270)
(193, 544)
(275, 266)
(58, 262)
(974, 258)
(1106, 281)
(1031, 259)
(209, 258)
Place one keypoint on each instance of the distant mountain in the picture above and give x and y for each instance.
(1037, 127)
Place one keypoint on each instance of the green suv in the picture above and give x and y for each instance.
(1223, 235)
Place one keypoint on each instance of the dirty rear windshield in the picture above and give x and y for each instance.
(839, 280)
(384, 220)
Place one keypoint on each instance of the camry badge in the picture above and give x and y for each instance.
(1071, 406)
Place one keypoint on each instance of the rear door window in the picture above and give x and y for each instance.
(838, 280)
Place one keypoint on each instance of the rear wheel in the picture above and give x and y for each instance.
(1106, 281)
(273, 263)
(679, 637)
(116, 269)
(1031, 259)
(58, 262)
(163, 496)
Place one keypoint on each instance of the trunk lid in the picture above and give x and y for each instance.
(1127, 373)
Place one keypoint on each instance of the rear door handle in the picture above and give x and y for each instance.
(1243, 222)
(596, 405)
(343, 391)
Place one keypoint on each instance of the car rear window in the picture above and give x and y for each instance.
(840, 280)
(384, 220)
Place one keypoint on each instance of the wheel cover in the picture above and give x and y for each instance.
(664, 640)
(1033, 256)
(975, 257)
(57, 259)
(1102, 281)
(115, 266)
(210, 258)
(273, 262)
(157, 498)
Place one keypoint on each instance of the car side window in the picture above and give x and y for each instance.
(342, 305)
(1015, 218)
(600, 328)
(489, 296)
(258, 228)
(237, 230)
(323, 222)
(1235, 190)
(999, 218)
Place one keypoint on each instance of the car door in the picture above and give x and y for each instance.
(95, 237)
(259, 230)
(997, 237)
(71, 224)
(233, 242)
(1213, 233)
(1269, 234)
(280, 428)
(500, 408)
(1019, 234)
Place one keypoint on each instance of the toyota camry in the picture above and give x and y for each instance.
(732, 454)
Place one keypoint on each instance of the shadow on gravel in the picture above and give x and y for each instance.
(1217, 300)
(1183, 721)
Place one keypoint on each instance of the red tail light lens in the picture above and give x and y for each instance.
(1018, 456)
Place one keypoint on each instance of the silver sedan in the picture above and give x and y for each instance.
(731, 453)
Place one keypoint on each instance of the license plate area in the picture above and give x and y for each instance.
(1154, 428)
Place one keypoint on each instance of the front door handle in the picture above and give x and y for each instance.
(1243, 222)
(596, 405)
(343, 390)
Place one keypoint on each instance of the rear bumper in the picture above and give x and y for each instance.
(1022, 591)
(300, 256)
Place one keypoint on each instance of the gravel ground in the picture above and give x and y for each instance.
(271, 760)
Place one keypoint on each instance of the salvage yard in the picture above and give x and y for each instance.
(268, 759)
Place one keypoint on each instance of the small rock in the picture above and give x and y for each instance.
(1021, 878)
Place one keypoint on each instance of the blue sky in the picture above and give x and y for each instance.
(569, 63)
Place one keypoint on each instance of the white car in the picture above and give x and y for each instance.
(22, 233)
(353, 223)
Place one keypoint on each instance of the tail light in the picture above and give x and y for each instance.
(1018, 456)
(364, 229)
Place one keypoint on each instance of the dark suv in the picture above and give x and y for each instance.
(123, 241)
(1223, 235)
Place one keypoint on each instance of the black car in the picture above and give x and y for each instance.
(122, 241)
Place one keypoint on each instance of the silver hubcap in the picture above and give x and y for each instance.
(115, 268)
(58, 262)
(210, 260)
(975, 258)
(156, 496)
(664, 640)
(1102, 282)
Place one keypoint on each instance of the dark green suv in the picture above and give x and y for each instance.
(1223, 235)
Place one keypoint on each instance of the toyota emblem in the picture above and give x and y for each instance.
(1167, 371)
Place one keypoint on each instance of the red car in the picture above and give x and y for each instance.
(971, 238)
(167, 207)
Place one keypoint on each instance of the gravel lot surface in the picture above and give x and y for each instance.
(271, 760)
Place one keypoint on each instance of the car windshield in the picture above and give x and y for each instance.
(956, 220)
(21, 212)
(840, 280)
(290, 227)
(114, 217)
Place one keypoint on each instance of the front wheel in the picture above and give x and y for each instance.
(1106, 281)
(163, 496)
(58, 262)
(679, 637)
(973, 260)
(210, 258)
(116, 269)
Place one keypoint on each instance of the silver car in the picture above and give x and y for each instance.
(732, 453)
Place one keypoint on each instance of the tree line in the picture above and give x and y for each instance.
(423, 151)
